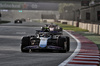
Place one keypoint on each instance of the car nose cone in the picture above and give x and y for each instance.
(42, 46)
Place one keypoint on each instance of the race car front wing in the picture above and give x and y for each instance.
(48, 47)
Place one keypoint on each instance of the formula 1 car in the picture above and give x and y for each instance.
(18, 21)
(45, 41)
(52, 27)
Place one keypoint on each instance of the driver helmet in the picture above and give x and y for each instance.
(46, 25)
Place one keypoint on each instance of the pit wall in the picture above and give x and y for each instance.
(95, 28)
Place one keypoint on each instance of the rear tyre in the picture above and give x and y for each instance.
(25, 42)
(20, 22)
(15, 22)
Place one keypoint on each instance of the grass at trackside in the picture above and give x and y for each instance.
(69, 27)
(4, 22)
(91, 36)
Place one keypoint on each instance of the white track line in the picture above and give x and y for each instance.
(75, 52)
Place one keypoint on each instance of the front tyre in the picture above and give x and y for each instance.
(68, 43)
(62, 43)
(24, 50)
(25, 42)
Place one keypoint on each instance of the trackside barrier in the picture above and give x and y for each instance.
(94, 28)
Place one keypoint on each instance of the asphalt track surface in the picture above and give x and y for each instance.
(10, 54)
